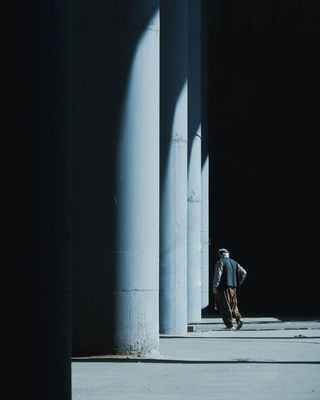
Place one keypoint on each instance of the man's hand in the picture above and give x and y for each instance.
(215, 291)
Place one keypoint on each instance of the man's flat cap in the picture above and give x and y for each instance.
(223, 251)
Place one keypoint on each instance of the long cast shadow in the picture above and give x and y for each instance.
(193, 362)
(241, 337)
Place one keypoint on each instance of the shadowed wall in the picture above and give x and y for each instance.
(263, 124)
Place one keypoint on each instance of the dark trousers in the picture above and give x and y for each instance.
(228, 305)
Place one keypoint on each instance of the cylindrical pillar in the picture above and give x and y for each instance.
(204, 160)
(116, 177)
(205, 232)
(137, 203)
(173, 139)
(47, 66)
(194, 160)
(194, 229)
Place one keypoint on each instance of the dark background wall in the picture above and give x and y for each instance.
(263, 128)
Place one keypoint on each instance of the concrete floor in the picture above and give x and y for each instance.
(267, 359)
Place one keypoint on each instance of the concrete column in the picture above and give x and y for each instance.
(116, 177)
(47, 128)
(194, 160)
(204, 160)
(137, 203)
(173, 132)
(205, 232)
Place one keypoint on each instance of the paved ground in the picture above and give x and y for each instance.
(266, 359)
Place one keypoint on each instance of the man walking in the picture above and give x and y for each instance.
(228, 277)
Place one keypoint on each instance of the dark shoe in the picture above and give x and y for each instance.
(229, 328)
(239, 324)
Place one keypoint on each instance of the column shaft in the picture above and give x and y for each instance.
(137, 203)
(204, 160)
(194, 161)
(205, 233)
(116, 177)
(173, 131)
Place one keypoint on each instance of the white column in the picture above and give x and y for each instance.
(194, 160)
(174, 137)
(205, 232)
(204, 160)
(116, 177)
(137, 197)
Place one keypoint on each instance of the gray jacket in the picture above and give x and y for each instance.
(228, 273)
